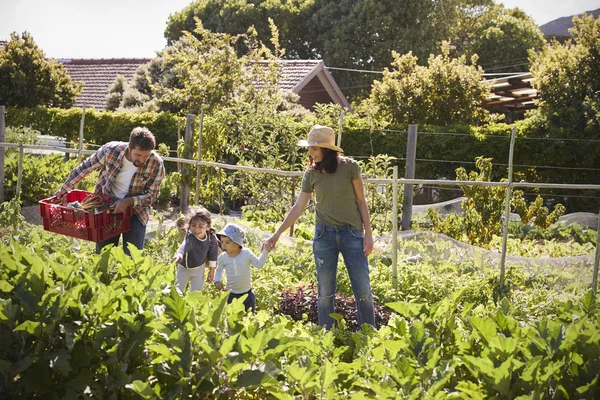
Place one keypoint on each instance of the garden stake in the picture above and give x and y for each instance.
(507, 206)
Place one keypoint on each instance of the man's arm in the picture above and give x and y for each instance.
(90, 164)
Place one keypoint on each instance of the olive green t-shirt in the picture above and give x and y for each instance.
(334, 194)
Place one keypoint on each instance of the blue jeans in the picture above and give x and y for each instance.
(135, 236)
(328, 242)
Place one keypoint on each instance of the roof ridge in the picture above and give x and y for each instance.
(103, 60)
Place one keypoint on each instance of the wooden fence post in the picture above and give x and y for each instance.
(198, 166)
(178, 140)
(596, 259)
(293, 202)
(395, 229)
(507, 205)
(185, 169)
(19, 171)
(81, 125)
(2, 153)
(411, 155)
(340, 125)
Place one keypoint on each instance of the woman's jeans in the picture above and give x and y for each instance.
(328, 242)
(135, 236)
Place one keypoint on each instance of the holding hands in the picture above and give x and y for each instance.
(270, 243)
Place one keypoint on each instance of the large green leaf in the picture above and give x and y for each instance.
(32, 327)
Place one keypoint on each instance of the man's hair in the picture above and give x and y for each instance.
(327, 165)
(142, 139)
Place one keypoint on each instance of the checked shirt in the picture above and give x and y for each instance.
(145, 183)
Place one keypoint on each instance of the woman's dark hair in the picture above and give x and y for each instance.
(329, 163)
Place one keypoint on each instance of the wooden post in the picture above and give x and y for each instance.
(411, 156)
(81, 125)
(340, 125)
(19, 171)
(293, 202)
(395, 229)
(185, 170)
(198, 166)
(178, 140)
(2, 153)
(507, 206)
(596, 259)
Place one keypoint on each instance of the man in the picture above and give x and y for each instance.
(131, 174)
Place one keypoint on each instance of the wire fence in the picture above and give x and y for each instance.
(393, 182)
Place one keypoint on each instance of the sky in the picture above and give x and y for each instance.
(134, 28)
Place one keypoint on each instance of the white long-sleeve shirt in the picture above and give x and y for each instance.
(238, 269)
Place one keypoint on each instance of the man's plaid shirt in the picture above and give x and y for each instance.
(145, 183)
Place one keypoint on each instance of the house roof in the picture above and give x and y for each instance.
(3, 44)
(96, 75)
(311, 80)
(308, 78)
(512, 93)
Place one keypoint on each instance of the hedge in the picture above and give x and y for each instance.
(440, 150)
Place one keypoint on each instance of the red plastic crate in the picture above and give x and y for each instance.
(81, 224)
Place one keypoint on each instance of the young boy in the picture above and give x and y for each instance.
(236, 262)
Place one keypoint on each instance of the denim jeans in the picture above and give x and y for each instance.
(328, 242)
(135, 235)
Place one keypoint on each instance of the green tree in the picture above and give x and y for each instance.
(446, 91)
(567, 77)
(344, 33)
(198, 71)
(234, 17)
(28, 79)
(501, 38)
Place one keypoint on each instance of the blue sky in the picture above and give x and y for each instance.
(134, 28)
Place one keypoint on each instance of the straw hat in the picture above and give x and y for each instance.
(321, 136)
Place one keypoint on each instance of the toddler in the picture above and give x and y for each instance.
(199, 246)
(236, 262)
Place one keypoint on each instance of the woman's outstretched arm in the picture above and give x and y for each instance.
(291, 217)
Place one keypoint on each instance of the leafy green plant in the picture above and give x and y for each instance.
(483, 207)
(10, 216)
(379, 197)
(535, 212)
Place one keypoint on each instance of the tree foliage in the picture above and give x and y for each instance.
(446, 91)
(195, 72)
(28, 79)
(344, 33)
(500, 37)
(567, 77)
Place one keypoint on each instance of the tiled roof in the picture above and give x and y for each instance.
(97, 75)
(3, 44)
(311, 80)
(295, 72)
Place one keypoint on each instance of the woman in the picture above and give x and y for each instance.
(342, 223)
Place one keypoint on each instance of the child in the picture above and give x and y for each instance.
(199, 246)
(236, 261)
